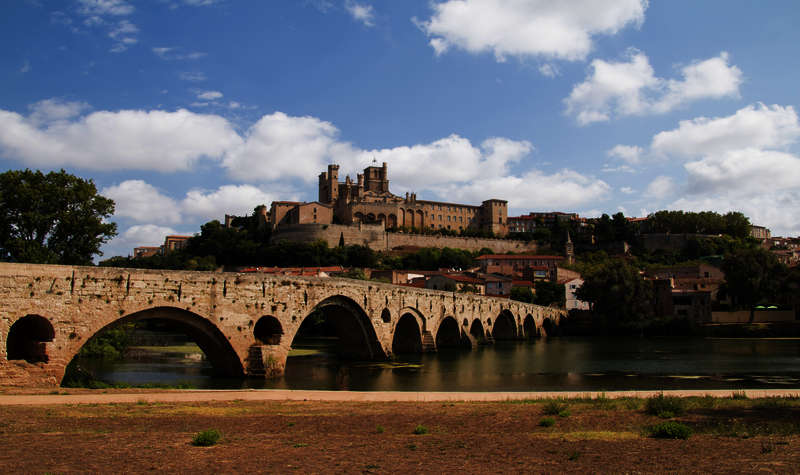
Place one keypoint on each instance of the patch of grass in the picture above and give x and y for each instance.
(632, 404)
(739, 395)
(772, 403)
(380, 429)
(299, 445)
(206, 438)
(670, 430)
(564, 413)
(289, 424)
(420, 430)
(547, 422)
(661, 404)
(554, 407)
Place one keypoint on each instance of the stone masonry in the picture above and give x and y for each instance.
(245, 323)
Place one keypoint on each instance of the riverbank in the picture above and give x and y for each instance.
(730, 434)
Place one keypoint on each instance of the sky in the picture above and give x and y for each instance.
(183, 111)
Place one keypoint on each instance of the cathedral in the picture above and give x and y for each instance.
(368, 200)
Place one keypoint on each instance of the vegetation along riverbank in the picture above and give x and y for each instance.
(660, 433)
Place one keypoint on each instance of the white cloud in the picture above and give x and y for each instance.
(630, 154)
(631, 88)
(777, 210)
(26, 67)
(541, 28)
(549, 70)
(104, 7)
(361, 12)
(533, 190)
(49, 111)
(748, 171)
(627, 190)
(137, 236)
(142, 202)
(127, 139)
(169, 53)
(751, 127)
(661, 187)
(209, 95)
(228, 199)
(192, 76)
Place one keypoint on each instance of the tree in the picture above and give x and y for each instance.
(548, 293)
(617, 291)
(752, 275)
(522, 294)
(56, 218)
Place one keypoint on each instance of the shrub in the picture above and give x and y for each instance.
(670, 430)
(564, 413)
(547, 422)
(554, 407)
(206, 438)
(420, 430)
(662, 405)
(380, 430)
(738, 395)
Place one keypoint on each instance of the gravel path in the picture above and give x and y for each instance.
(377, 396)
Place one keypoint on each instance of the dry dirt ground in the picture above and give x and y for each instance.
(600, 435)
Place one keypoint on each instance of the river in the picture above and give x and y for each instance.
(568, 364)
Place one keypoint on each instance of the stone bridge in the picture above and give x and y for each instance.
(244, 323)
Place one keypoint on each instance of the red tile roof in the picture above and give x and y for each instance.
(514, 257)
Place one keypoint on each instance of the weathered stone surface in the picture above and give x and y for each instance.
(223, 312)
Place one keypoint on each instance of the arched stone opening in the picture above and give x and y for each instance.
(358, 217)
(340, 325)
(505, 327)
(386, 316)
(476, 330)
(391, 222)
(215, 345)
(268, 330)
(449, 335)
(529, 327)
(548, 327)
(419, 220)
(407, 336)
(27, 339)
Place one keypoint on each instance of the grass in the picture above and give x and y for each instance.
(739, 395)
(670, 430)
(206, 438)
(555, 407)
(547, 422)
(380, 429)
(420, 430)
(665, 407)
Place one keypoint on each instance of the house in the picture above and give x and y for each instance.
(572, 301)
(456, 283)
(515, 265)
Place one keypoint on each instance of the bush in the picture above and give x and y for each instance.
(380, 430)
(739, 395)
(547, 422)
(420, 430)
(670, 430)
(555, 407)
(665, 406)
(206, 438)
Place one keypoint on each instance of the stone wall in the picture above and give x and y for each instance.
(223, 312)
(374, 237)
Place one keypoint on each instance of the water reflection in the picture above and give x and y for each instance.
(579, 364)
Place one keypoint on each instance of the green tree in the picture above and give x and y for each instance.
(548, 293)
(56, 218)
(617, 291)
(522, 294)
(752, 275)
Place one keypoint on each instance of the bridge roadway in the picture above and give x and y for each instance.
(244, 323)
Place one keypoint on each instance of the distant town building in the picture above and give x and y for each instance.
(530, 222)
(517, 265)
(171, 243)
(572, 301)
(760, 232)
(368, 200)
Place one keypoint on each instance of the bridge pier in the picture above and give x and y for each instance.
(245, 323)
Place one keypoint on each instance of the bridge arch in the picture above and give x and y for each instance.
(355, 332)
(529, 327)
(477, 331)
(505, 326)
(268, 330)
(27, 339)
(449, 335)
(407, 335)
(548, 327)
(202, 331)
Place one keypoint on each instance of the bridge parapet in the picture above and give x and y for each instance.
(245, 323)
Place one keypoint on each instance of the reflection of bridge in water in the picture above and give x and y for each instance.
(245, 323)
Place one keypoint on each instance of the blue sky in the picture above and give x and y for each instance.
(184, 110)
